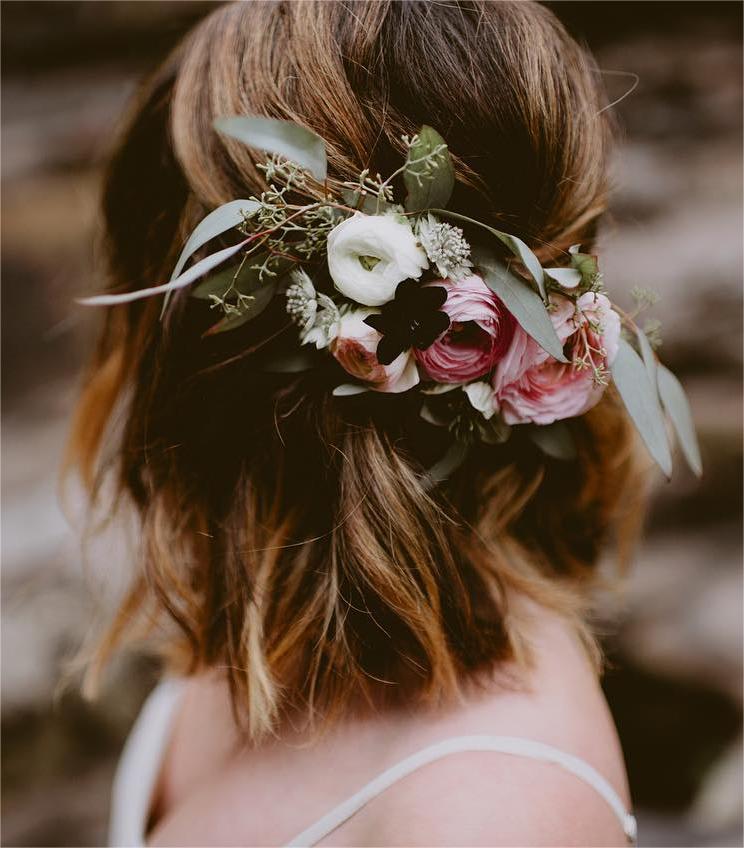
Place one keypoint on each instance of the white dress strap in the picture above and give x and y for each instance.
(514, 745)
(140, 765)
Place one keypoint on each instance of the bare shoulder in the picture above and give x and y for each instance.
(476, 799)
(491, 798)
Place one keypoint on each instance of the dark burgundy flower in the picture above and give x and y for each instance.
(412, 319)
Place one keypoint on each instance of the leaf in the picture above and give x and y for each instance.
(370, 203)
(555, 440)
(222, 219)
(641, 399)
(647, 354)
(523, 303)
(285, 138)
(528, 258)
(349, 389)
(262, 296)
(199, 269)
(248, 280)
(515, 245)
(428, 184)
(219, 221)
(444, 467)
(678, 408)
(584, 263)
(569, 278)
(218, 284)
(229, 322)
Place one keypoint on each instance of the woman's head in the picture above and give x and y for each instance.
(287, 535)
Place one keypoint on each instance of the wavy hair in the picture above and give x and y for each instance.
(287, 538)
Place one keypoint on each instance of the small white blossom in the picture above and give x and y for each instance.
(446, 247)
(314, 312)
(325, 326)
(302, 303)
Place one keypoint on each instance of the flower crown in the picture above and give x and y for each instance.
(405, 302)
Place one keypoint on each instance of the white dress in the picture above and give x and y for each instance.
(143, 754)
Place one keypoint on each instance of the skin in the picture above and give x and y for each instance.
(213, 791)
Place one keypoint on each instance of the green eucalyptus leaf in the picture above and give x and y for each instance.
(523, 303)
(368, 203)
(428, 184)
(248, 280)
(284, 138)
(229, 322)
(555, 440)
(641, 399)
(197, 270)
(219, 221)
(444, 467)
(678, 408)
(569, 278)
(349, 389)
(261, 298)
(224, 218)
(217, 284)
(515, 245)
(584, 263)
(647, 354)
(528, 258)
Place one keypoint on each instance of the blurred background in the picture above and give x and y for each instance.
(674, 632)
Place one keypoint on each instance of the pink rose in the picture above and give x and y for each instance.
(480, 331)
(355, 349)
(531, 386)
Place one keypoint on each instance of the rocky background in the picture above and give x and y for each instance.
(674, 632)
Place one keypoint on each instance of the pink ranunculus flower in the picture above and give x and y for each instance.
(355, 349)
(532, 386)
(481, 329)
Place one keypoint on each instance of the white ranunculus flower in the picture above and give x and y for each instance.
(368, 255)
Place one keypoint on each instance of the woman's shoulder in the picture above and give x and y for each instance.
(488, 797)
(481, 800)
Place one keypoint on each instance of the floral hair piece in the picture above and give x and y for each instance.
(404, 301)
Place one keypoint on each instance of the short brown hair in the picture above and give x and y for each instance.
(286, 534)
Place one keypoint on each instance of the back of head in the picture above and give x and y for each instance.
(288, 536)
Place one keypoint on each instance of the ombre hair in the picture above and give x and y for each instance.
(288, 540)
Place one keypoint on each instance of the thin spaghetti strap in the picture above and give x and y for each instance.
(140, 764)
(513, 745)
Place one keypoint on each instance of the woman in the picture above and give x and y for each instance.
(326, 613)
